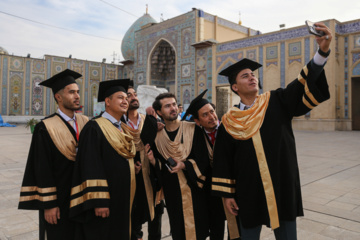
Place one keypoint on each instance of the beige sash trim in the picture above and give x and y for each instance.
(61, 136)
(37, 189)
(242, 125)
(38, 197)
(124, 145)
(180, 151)
(144, 164)
(81, 120)
(210, 150)
(188, 210)
(232, 225)
(89, 196)
(132, 190)
(176, 149)
(266, 180)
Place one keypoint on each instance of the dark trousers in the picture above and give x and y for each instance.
(286, 231)
(154, 226)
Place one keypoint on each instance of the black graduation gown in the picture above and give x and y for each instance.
(97, 161)
(172, 191)
(46, 169)
(236, 159)
(216, 208)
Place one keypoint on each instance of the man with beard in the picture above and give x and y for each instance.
(184, 159)
(255, 163)
(143, 207)
(104, 184)
(205, 116)
(47, 179)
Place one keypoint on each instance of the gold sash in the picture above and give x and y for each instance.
(124, 145)
(180, 151)
(62, 137)
(243, 125)
(145, 164)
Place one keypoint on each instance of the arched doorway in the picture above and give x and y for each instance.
(162, 66)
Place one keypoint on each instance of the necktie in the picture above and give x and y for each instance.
(212, 137)
(116, 125)
(246, 108)
(71, 122)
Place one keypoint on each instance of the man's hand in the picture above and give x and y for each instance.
(160, 126)
(102, 212)
(150, 154)
(179, 166)
(324, 41)
(137, 167)
(231, 206)
(52, 215)
(150, 111)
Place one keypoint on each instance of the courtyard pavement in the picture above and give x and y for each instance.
(330, 177)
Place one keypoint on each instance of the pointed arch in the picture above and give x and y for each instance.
(150, 63)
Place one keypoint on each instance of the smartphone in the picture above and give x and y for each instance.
(170, 162)
(312, 30)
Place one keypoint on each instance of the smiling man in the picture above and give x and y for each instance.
(47, 179)
(104, 174)
(145, 209)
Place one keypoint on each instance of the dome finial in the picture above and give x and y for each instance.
(146, 9)
(240, 18)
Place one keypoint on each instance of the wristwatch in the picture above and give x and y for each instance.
(324, 54)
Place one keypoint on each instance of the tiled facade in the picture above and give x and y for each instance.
(197, 62)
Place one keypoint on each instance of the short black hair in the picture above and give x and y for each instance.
(232, 81)
(157, 104)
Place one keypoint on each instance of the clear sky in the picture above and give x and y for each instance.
(43, 31)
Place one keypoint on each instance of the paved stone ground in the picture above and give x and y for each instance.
(330, 176)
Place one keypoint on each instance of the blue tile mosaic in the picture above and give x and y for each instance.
(346, 95)
(345, 28)
(4, 86)
(282, 64)
(263, 39)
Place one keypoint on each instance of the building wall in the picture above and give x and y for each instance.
(285, 52)
(22, 95)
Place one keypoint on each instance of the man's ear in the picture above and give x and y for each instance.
(158, 113)
(234, 87)
(197, 122)
(58, 97)
(107, 102)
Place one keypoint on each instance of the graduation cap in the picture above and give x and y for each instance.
(233, 70)
(131, 83)
(107, 88)
(61, 80)
(149, 130)
(196, 104)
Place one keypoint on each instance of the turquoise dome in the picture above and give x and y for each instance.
(127, 44)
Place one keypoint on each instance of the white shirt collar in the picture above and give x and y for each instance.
(242, 106)
(66, 117)
(111, 118)
(128, 121)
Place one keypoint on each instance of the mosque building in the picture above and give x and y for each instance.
(184, 54)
